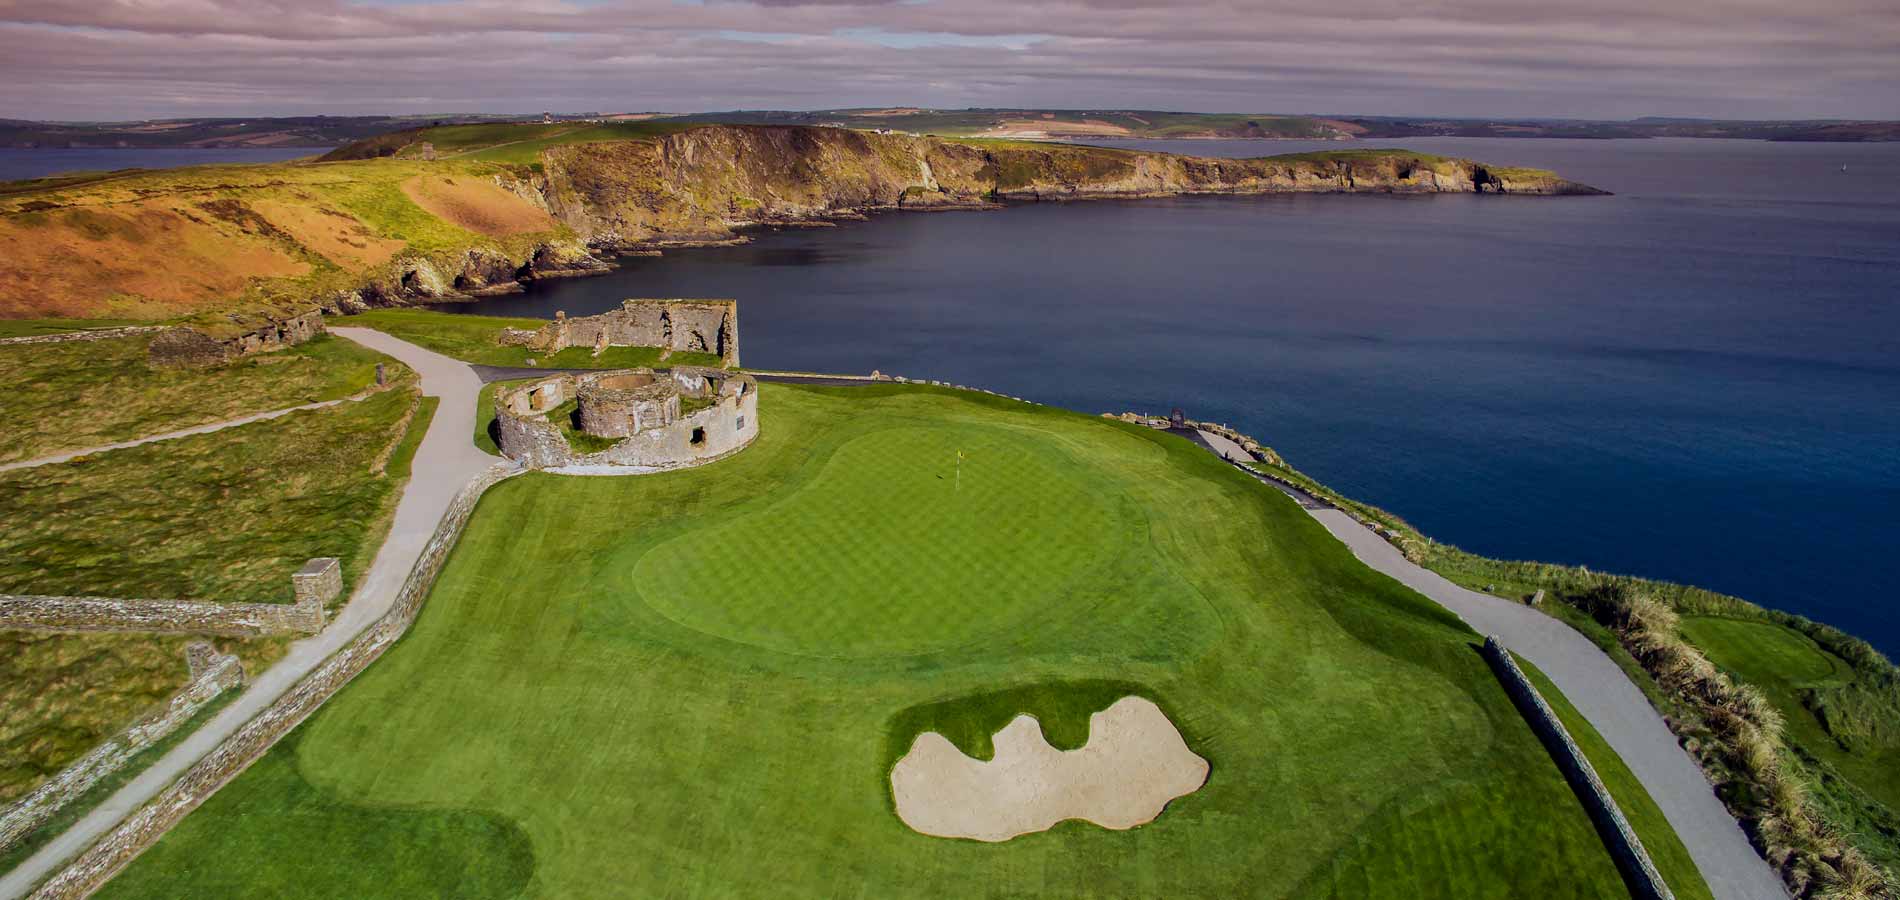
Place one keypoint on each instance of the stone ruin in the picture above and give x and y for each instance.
(643, 412)
(693, 326)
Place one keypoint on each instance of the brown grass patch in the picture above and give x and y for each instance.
(148, 259)
(336, 236)
(477, 205)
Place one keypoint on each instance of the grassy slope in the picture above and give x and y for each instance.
(1652, 828)
(70, 396)
(649, 744)
(473, 339)
(350, 210)
(1852, 781)
(221, 516)
(1786, 663)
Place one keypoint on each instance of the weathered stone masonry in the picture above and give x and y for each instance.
(212, 674)
(1625, 847)
(141, 829)
(316, 584)
(640, 409)
(689, 326)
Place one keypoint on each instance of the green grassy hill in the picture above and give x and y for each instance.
(691, 684)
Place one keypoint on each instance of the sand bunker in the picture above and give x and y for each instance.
(1134, 763)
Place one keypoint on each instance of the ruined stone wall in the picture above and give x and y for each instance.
(1625, 847)
(140, 830)
(730, 423)
(212, 674)
(97, 334)
(183, 347)
(692, 326)
(319, 582)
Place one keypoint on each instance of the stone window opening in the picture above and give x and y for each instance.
(699, 436)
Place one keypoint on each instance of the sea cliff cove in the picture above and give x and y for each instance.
(421, 497)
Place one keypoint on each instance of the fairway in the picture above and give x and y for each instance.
(696, 683)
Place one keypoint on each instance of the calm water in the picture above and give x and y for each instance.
(1697, 379)
(18, 164)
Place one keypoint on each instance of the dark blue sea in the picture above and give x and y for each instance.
(19, 164)
(1697, 379)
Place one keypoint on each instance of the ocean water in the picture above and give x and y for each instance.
(19, 164)
(1697, 379)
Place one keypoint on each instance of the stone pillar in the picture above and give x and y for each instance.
(382, 377)
(200, 656)
(316, 584)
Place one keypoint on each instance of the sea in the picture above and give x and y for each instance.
(1696, 379)
(17, 164)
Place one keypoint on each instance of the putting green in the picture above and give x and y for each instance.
(904, 548)
(695, 683)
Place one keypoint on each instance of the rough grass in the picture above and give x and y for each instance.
(1359, 746)
(223, 516)
(1652, 828)
(477, 205)
(61, 695)
(206, 241)
(10, 328)
(70, 396)
(474, 339)
(1793, 670)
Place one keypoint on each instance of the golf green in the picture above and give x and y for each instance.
(693, 684)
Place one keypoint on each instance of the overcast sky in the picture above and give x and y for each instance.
(126, 59)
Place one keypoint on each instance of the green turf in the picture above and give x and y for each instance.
(34, 327)
(663, 717)
(1791, 669)
(1665, 849)
(474, 339)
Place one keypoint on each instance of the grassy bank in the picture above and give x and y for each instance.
(61, 695)
(1796, 723)
(475, 339)
(69, 396)
(222, 516)
(717, 677)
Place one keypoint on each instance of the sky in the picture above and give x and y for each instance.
(135, 59)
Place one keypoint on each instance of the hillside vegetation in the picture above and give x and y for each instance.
(426, 214)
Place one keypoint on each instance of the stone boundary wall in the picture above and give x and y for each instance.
(91, 869)
(211, 674)
(101, 334)
(1625, 847)
(38, 613)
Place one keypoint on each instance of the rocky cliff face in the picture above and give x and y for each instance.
(705, 183)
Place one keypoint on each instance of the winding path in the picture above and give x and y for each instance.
(1594, 685)
(174, 435)
(445, 462)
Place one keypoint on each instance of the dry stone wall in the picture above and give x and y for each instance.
(141, 829)
(1639, 871)
(316, 584)
(212, 674)
(99, 334)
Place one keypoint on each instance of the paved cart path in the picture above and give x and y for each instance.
(445, 462)
(1599, 690)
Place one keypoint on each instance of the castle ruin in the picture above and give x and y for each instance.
(691, 326)
(647, 418)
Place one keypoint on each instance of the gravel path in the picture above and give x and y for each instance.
(445, 462)
(1603, 694)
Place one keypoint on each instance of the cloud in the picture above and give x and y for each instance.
(1582, 58)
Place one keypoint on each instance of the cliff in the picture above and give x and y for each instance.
(243, 254)
(706, 183)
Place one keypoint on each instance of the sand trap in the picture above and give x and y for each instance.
(1134, 763)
